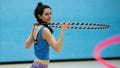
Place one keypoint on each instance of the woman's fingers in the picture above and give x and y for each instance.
(65, 25)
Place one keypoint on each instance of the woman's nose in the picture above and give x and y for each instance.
(49, 16)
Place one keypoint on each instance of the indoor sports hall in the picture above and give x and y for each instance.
(92, 39)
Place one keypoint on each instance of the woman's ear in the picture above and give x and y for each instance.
(39, 16)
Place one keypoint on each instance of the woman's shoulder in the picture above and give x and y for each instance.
(37, 28)
(46, 33)
(36, 24)
(46, 29)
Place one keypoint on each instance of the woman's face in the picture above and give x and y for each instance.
(46, 16)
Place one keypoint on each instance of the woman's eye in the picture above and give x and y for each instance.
(46, 14)
(50, 13)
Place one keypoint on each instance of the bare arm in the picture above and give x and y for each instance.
(29, 41)
(56, 45)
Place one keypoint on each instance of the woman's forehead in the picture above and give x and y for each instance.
(47, 10)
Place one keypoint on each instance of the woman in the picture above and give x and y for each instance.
(42, 36)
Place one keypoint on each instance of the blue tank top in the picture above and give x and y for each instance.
(41, 47)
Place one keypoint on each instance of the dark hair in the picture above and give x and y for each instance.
(39, 10)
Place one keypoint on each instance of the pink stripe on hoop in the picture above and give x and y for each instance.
(101, 46)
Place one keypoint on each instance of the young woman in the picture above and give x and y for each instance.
(43, 38)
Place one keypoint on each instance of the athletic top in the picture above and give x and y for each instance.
(41, 46)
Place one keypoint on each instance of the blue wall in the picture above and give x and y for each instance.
(16, 22)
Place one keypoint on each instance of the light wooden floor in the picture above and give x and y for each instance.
(73, 64)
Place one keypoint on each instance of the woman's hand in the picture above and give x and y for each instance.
(65, 26)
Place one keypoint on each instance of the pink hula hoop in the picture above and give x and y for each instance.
(101, 46)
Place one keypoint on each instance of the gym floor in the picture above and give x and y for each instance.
(72, 64)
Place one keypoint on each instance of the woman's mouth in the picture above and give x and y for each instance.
(48, 19)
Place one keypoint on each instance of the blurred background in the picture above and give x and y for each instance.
(17, 19)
